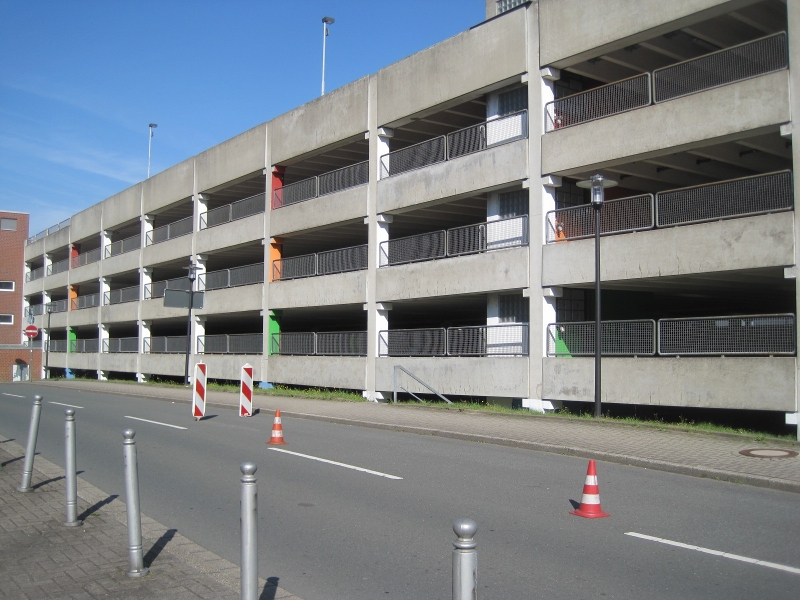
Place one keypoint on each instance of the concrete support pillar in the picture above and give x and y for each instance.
(275, 253)
(380, 318)
(383, 145)
(48, 260)
(493, 207)
(144, 332)
(198, 329)
(382, 235)
(105, 288)
(103, 336)
(105, 240)
(147, 228)
(145, 279)
(74, 251)
(201, 260)
(492, 309)
(200, 207)
(72, 293)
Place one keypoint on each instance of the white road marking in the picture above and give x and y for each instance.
(15, 395)
(338, 464)
(155, 422)
(70, 405)
(746, 559)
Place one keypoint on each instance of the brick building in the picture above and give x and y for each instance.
(15, 353)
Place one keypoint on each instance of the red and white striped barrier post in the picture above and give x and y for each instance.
(199, 391)
(246, 392)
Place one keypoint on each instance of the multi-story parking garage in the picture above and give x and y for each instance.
(428, 216)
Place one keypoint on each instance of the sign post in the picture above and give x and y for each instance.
(246, 392)
(199, 392)
(31, 331)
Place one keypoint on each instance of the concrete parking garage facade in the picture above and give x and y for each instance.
(427, 216)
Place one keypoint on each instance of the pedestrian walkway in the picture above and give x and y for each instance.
(41, 559)
(716, 456)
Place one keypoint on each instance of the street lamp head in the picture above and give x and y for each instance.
(597, 183)
(328, 20)
(152, 125)
(193, 269)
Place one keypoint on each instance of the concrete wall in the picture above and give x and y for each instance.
(506, 376)
(613, 24)
(122, 207)
(232, 159)
(340, 207)
(57, 241)
(238, 299)
(487, 54)
(119, 313)
(669, 127)
(121, 263)
(230, 234)
(325, 290)
(125, 363)
(490, 168)
(34, 250)
(168, 187)
(746, 243)
(57, 360)
(90, 272)
(714, 382)
(336, 116)
(163, 252)
(345, 372)
(84, 316)
(154, 309)
(229, 366)
(86, 223)
(77, 360)
(163, 364)
(491, 271)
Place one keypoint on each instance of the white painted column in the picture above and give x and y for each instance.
(47, 262)
(147, 227)
(200, 207)
(384, 136)
(105, 286)
(105, 240)
(144, 332)
(381, 323)
(198, 329)
(201, 260)
(145, 279)
(382, 235)
(103, 337)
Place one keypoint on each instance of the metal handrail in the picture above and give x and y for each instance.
(233, 277)
(34, 274)
(58, 267)
(749, 335)
(237, 343)
(415, 378)
(128, 345)
(618, 338)
(87, 301)
(128, 244)
(57, 306)
(174, 344)
(321, 185)
(121, 295)
(33, 309)
(505, 339)
(329, 262)
(156, 289)
(84, 346)
(63, 225)
(624, 215)
(246, 207)
(169, 231)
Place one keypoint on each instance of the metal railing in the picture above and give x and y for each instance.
(465, 141)
(35, 344)
(744, 61)
(733, 335)
(165, 345)
(122, 295)
(635, 213)
(33, 309)
(470, 239)
(239, 343)
(84, 346)
(34, 274)
(170, 231)
(122, 246)
(235, 277)
(156, 288)
(56, 345)
(87, 301)
(129, 345)
(58, 267)
(597, 103)
(413, 342)
(327, 343)
(86, 258)
(58, 306)
(321, 185)
(64, 224)
(329, 262)
(240, 209)
(742, 197)
(396, 386)
(510, 339)
(618, 338)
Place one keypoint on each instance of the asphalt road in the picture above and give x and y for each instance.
(329, 532)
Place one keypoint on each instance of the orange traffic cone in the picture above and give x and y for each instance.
(590, 501)
(277, 430)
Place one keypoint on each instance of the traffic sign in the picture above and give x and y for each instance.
(31, 331)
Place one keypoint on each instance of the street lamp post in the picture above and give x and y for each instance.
(49, 308)
(325, 22)
(192, 268)
(150, 146)
(597, 183)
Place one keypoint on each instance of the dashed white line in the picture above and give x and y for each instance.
(14, 395)
(753, 561)
(155, 422)
(338, 464)
(70, 405)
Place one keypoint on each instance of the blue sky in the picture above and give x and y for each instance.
(81, 80)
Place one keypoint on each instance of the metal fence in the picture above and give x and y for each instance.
(34, 274)
(86, 258)
(293, 344)
(33, 309)
(169, 232)
(127, 294)
(746, 334)
(597, 103)
(239, 343)
(320, 185)
(635, 213)
(84, 346)
(46, 232)
(294, 267)
(341, 343)
(165, 345)
(413, 157)
(121, 345)
(240, 209)
(156, 288)
(87, 301)
(754, 195)
(56, 345)
(469, 239)
(342, 260)
(235, 277)
(122, 246)
(509, 339)
(618, 338)
(58, 267)
(58, 306)
(722, 67)
(413, 342)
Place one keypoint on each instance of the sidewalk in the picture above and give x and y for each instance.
(710, 455)
(41, 559)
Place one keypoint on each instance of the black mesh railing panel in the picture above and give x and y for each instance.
(248, 206)
(179, 228)
(247, 275)
(425, 246)
(417, 156)
(466, 141)
(617, 216)
(122, 246)
(413, 342)
(618, 338)
(748, 60)
(216, 216)
(295, 267)
(344, 178)
(58, 267)
(341, 260)
(301, 344)
(342, 343)
(121, 345)
(246, 343)
(295, 192)
(488, 340)
(748, 334)
(736, 198)
(87, 301)
(215, 280)
(212, 344)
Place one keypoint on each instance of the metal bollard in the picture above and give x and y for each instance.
(70, 470)
(30, 452)
(465, 560)
(132, 501)
(248, 521)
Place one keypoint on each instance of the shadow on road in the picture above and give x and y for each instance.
(575, 504)
(158, 546)
(96, 506)
(207, 417)
(46, 481)
(270, 589)
(8, 440)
